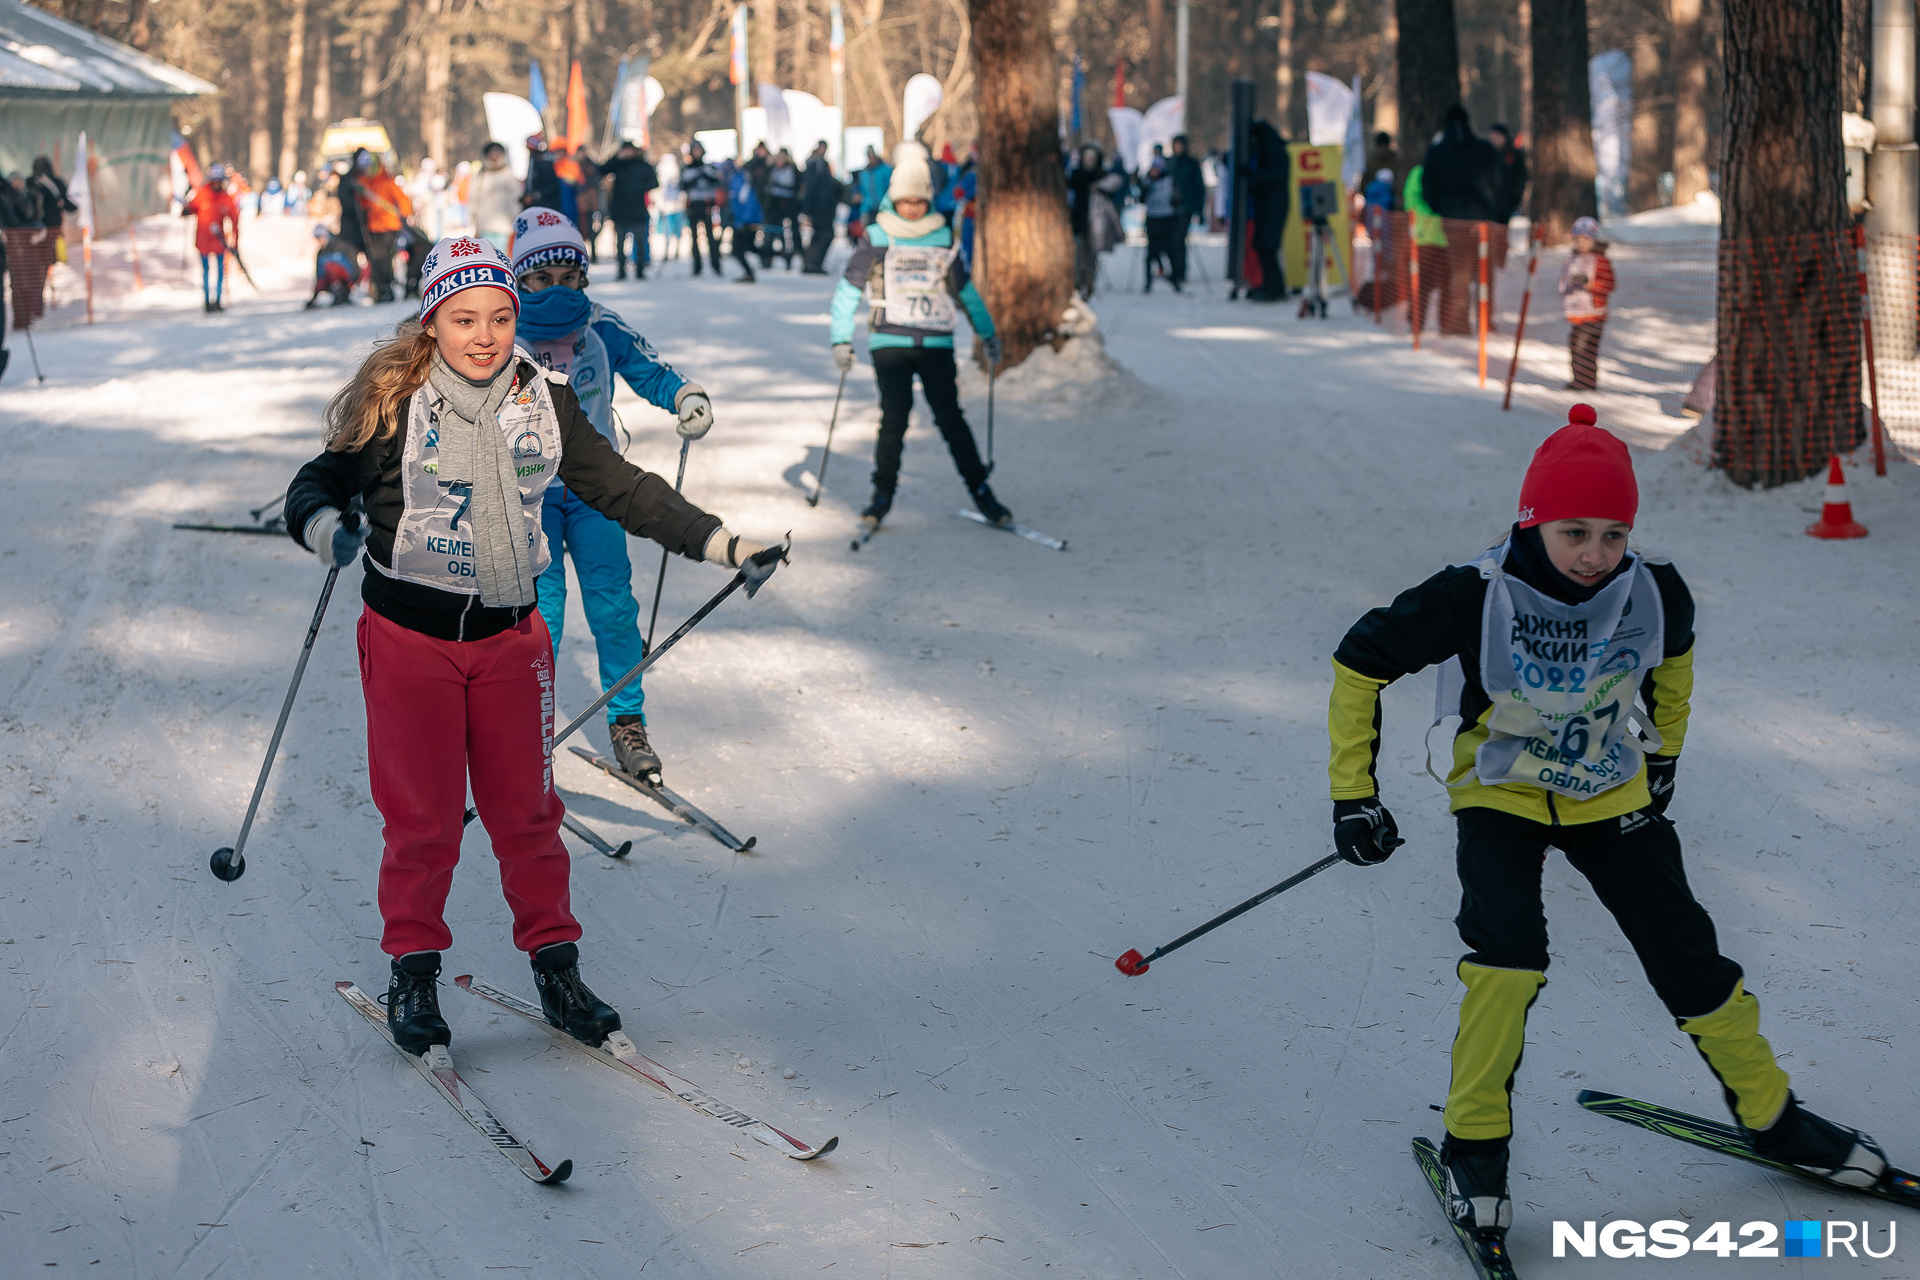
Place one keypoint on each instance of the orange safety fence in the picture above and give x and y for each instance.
(1798, 387)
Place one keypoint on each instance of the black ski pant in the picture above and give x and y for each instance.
(819, 240)
(893, 369)
(744, 236)
(1583, 351)
(700, 218)
(1166, 243)
(1633, 864)
(639, 232)
(380, 262)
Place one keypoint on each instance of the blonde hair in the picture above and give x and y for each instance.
(369, 406)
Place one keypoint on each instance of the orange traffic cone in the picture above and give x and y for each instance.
(1836, 517)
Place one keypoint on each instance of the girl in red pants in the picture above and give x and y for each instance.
(451, 434)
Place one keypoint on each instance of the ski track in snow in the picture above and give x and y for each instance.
(978, 770)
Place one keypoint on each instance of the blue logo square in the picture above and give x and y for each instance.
(1803, 1239)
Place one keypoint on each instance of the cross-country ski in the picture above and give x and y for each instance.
(671, 801)
(619, 1052)
(1469, 665)
(436, 1064)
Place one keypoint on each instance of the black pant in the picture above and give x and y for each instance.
(638, 230)
(1167, 242)
(1583, 349)
(893, 369)
(744, 234)
(700, 217)
(1633, 864)
(380, 262)
(819, 240)
(782, 229)
(1273, 276)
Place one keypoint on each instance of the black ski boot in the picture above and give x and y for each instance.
(990, 506)
(632, 752)
(565, 1000)
(1477, 1198)
(1819, 1147)
(413, 1003)
(877, 508)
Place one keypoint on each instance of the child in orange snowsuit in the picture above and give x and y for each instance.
(1585, 284)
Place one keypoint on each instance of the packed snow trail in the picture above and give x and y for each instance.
(978, 772)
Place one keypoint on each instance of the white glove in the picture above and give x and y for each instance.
(333, 545)
(729, 548)
(843, 356)
(695, 410)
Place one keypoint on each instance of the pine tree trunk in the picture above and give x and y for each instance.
(1563, 166)
(1386, 104)
(322, 113)
(1646, 160)
(1429, 66)
(1159, 50)
(1283, 74)
(1689, 63)
(439, 70)
(370, 74)
(295, 94)
(260, 101)
(1788, 326)
(1026, 244)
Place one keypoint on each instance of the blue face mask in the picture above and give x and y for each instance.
(553, 313)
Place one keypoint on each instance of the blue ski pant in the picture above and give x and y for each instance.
(212, 289)
(598, 547)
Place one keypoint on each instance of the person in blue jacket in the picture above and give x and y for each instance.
(590, 344)
(912, 270)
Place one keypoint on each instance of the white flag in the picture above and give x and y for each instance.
(1329, 103)
(80, 186)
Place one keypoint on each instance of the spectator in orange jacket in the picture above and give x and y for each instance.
(1585, 283)
(383, 208)
(214, 212)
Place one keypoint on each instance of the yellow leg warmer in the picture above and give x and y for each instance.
(1729, 1039)
(1486, 1053)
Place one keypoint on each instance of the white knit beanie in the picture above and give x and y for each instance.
(543, 237)
(911, 181)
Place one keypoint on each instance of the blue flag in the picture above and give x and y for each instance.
(536, 87)
(1079, 87)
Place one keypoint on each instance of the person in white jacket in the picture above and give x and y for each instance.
(495, 196)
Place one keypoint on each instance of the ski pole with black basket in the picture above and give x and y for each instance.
(1133, 964)
(826, 455)
(230, 863)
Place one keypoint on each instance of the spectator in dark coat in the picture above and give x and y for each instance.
(1381, 154)
(1459, 180)
(819, 201)
(1188, 183)
(1267, 180)
(50, 189)
(633, 178)
(1510, 184)
(543, 183)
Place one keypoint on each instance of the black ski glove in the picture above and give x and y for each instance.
(1364, 832)
(1660, 771)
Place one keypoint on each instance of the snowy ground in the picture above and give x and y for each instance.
(978, 769)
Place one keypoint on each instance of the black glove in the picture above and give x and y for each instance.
(1364, 832)
(1660, 771)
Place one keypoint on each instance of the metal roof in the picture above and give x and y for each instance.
(44, 55)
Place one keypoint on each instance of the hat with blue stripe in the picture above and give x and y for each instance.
(463, 262)
(544, 238)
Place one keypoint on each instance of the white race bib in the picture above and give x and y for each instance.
(1563, 679)
(916, 287)
(433, 544)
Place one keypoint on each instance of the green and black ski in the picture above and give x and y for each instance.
(1488, 1253)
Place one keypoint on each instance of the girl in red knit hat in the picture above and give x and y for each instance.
(1569, 660)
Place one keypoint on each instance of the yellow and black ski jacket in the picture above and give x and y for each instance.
(1441, 619)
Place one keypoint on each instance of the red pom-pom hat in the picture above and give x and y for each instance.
(1580, 472)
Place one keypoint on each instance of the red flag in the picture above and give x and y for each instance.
(579, 123)
(1120, 82)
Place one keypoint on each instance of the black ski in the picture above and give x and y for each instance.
(669, 801)
(275, 526)
(1896, 1185)
(1019, 531)
(578, 828)
(1488, 1255)
(437, 1067)
(619, 1052)
(863, 534)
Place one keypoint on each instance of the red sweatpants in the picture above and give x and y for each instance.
(441, 713)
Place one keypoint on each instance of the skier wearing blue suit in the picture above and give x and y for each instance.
(915, 277)
(590, 344)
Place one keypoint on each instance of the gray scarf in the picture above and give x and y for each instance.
(474, 453)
